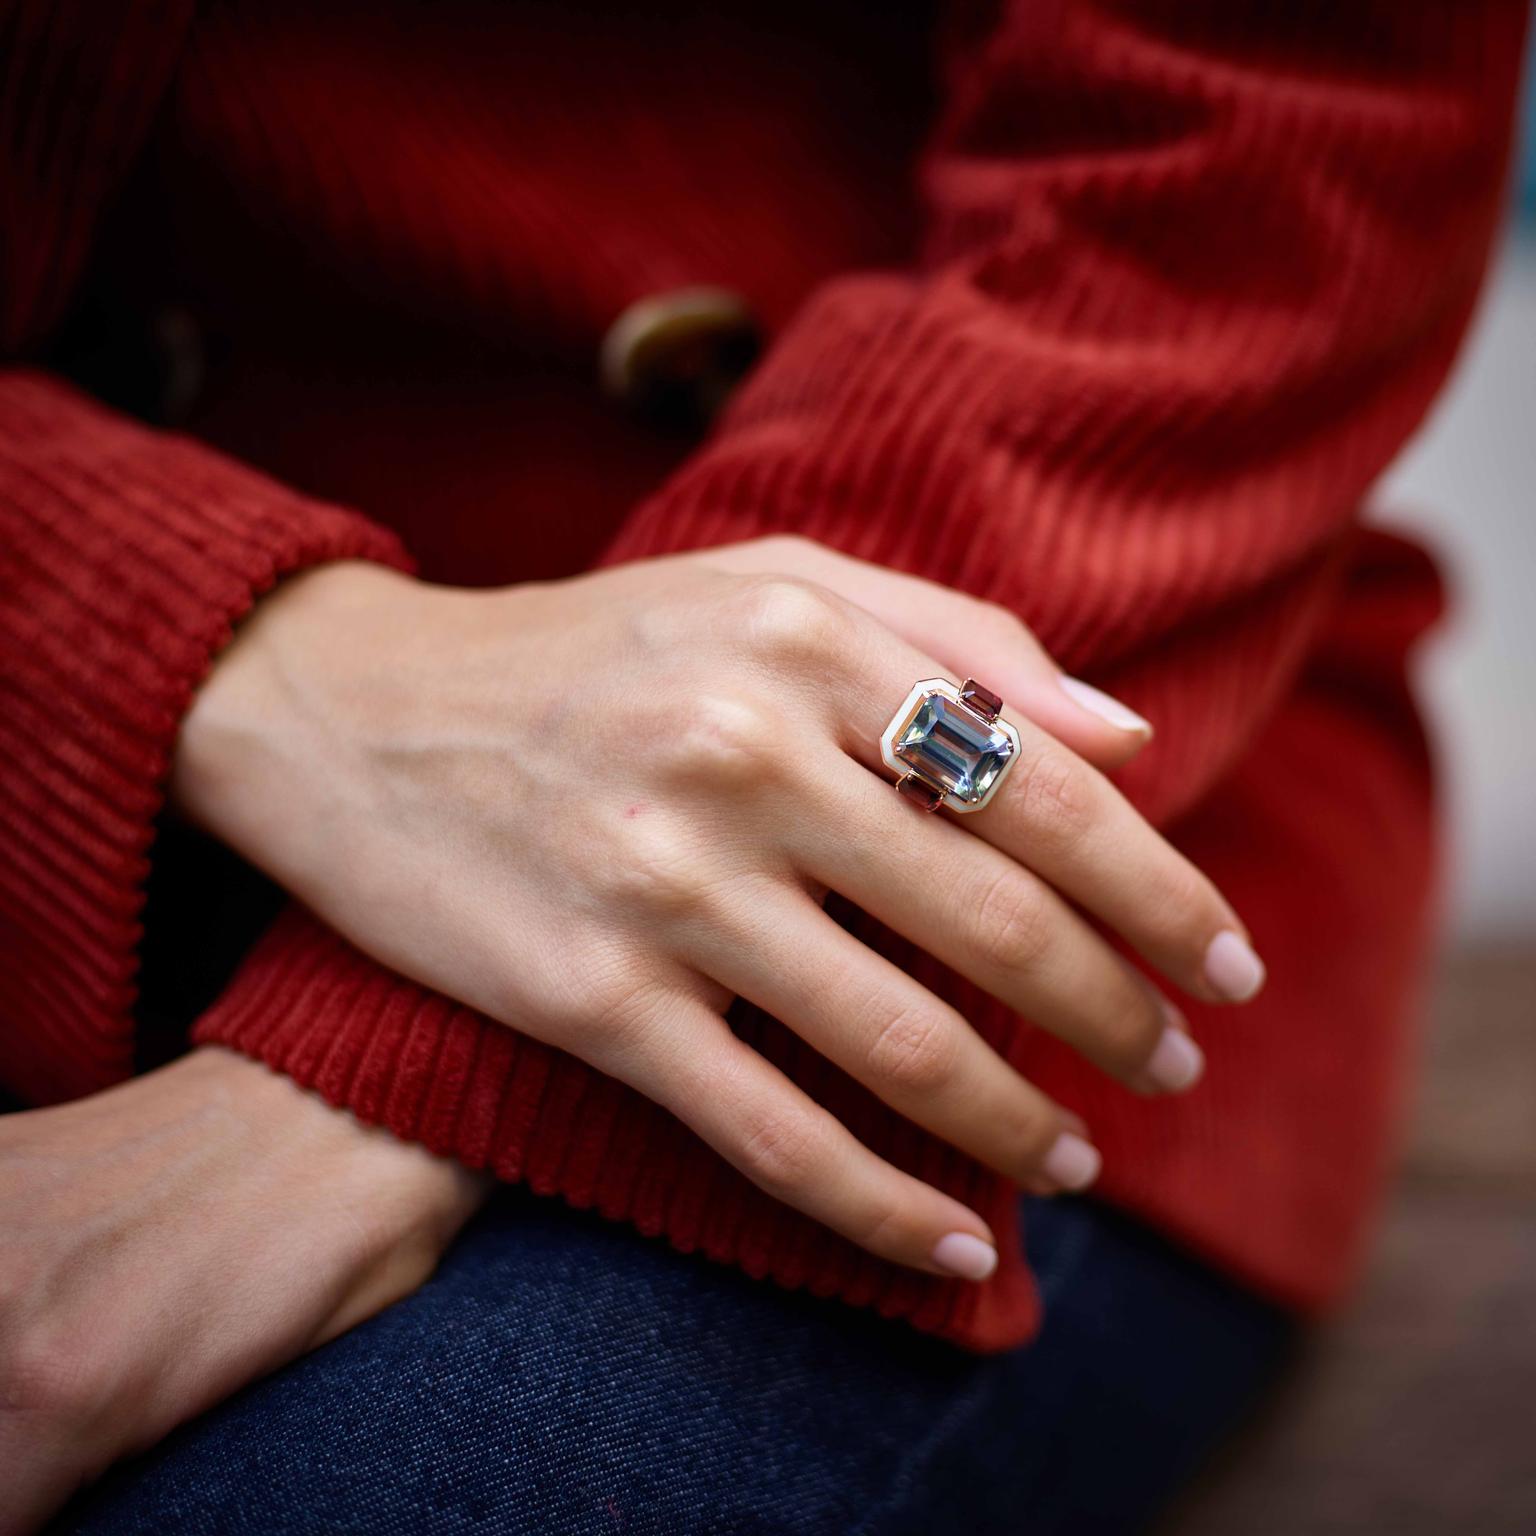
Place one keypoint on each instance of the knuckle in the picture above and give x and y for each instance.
(913, 1050)
(789, 619)
(1190, 907)
(722, 740)
(782, 1151)
(615, 1022)
(649, 868)
(597, 1004)
(1052, 789)
(1004, 623)
(1129, 1034)
(886, 1229)
(1011, 923)
(1029, 1126)
(659, 880)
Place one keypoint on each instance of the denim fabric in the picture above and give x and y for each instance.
(563, 1376)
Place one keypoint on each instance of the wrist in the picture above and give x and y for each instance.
(411, 1195)
(240, 754)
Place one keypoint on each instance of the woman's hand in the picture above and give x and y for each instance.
(598, 809)
(172, 1239)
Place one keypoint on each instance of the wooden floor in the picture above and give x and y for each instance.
(1414, 1413)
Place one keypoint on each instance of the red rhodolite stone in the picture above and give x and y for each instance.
(979, 698)
(920, 791)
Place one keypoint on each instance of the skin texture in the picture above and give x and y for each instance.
(598, 809)
(174, 1238)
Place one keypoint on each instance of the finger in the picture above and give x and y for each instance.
(1060, 817)
(1079, 833)
(965, 634)
(685, 1058)
(781, 951)
(996, 923)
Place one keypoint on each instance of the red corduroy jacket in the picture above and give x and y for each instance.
(1171, 284)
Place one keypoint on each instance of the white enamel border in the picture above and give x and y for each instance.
(950, 691)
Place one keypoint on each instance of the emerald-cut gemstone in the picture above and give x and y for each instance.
(953, 746)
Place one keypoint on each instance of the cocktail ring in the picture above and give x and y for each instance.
(950, 745)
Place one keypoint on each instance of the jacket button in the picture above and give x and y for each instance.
(674, 358)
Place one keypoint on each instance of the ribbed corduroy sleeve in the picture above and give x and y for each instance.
(126, 556)
(1193, 274)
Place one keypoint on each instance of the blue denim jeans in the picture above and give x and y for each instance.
(563, 1376)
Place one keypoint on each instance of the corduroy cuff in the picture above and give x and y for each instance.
(128, 556)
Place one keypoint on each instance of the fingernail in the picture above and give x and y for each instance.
(1232, 968)
(1072, 1163)
(1096, 702)
(1177, 1063)
(965, 1255)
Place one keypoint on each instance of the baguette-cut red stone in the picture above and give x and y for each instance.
(920, 791)
(979, 698)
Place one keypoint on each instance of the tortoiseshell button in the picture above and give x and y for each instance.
(674, 358)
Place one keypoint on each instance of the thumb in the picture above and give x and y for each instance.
(970, 637)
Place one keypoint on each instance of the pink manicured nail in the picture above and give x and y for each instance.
(1072, 1163)
(1177, 1063)
(1232, 968)
(1108, 709)
(964, 1255)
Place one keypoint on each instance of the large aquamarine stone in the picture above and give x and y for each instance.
(953, 746)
